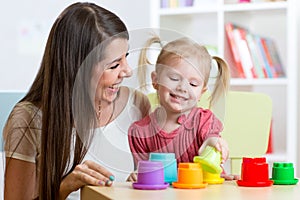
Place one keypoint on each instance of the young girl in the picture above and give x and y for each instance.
(178, 125)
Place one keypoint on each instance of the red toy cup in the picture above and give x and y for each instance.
(255, 173)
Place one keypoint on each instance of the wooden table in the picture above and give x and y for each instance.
(228, 190)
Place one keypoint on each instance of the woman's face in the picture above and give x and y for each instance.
(109, 73)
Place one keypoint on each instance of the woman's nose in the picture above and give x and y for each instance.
(126, 70)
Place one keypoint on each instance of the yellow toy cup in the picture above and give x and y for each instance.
(211, 178)
(190, 176)
(210, 160)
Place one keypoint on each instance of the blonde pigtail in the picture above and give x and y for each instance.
(222, 80)
(143, 62)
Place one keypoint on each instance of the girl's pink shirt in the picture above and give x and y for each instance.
(145, 136)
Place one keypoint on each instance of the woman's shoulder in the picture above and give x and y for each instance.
(25, 112)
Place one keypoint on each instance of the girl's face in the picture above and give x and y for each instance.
(179, 85)
(109, 73)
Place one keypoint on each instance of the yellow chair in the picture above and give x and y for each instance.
(247, 119)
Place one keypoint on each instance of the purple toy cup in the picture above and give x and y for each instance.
(150, 176)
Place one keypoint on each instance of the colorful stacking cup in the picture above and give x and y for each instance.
(189, 176)
(210, 160)
(283, 174)
(170, 165)
(150, 176)
(211, 178)
(255, 173)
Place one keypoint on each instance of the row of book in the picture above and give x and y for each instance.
(175, 3)
(253, 56)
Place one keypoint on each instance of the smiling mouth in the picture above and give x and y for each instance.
(115, 86)
(178, 97)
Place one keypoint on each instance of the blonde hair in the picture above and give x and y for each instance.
(187, 49)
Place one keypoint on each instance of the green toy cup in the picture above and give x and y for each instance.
(283, 174)
(210, 160)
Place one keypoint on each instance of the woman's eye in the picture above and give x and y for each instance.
(114, 66)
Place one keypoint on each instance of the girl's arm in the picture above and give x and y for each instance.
(19, 180)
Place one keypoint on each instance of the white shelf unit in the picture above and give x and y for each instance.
(277, 20)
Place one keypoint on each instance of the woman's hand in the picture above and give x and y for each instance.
(87, 173)
(219, 144)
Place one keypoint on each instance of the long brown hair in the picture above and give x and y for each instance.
(187, 49)
(79, 29)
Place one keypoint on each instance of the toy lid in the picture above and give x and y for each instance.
(188, 186)
(149, 187)
(208, 166)
(285, 182)
(255, 183)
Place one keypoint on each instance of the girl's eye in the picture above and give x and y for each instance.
(174, 79)
(194, 84)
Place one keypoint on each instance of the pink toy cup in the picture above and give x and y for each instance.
(150, 176)
(255, 173)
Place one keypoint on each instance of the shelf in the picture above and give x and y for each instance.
(276, 157)
(255, 6)
(187, 10)
(227, 8)
(256, 82)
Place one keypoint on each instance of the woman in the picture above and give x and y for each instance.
(76, 91)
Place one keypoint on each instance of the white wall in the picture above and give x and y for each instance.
(24, 30)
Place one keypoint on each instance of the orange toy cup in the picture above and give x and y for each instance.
(190, 176)
(255, 173)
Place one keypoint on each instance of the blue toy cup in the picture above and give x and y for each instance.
(169, 163)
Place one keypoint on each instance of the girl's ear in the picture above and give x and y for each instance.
(154, 80)
(204, 89)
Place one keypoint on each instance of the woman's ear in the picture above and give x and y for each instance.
(154, 80)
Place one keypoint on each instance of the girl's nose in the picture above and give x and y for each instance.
(182, 86)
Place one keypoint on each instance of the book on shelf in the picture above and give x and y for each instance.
(245, 54)
(235, 65)
(256, 57)
(271, 46)
(175, 3)
(253, 56)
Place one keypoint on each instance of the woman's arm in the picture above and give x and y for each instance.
(87, 173)
(19, 180)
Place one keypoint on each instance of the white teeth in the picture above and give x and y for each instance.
(114, 86)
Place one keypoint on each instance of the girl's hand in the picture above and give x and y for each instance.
(132, 177)
(87, 173)
(219, 144)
